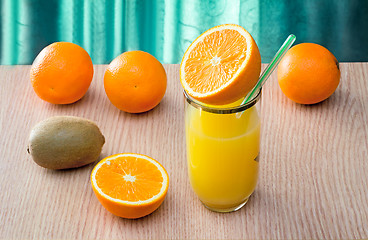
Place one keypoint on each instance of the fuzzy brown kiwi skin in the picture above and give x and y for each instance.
(64, 142)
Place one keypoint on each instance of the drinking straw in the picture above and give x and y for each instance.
(271, 67)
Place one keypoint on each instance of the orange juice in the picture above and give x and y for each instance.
(222, 155)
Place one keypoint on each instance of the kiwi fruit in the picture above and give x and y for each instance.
(64, 142)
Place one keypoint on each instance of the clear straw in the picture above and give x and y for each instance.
(271, 67)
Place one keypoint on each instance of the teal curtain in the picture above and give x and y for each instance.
(165, 28)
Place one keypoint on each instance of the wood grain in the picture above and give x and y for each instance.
(313, 178)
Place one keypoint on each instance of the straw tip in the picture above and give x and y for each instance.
(292, 36)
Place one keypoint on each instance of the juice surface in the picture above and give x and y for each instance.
(222, 153)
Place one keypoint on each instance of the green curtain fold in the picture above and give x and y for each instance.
(165, 28)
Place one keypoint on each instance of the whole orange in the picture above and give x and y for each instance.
(135, 82)
(308, 74)
(62, 73)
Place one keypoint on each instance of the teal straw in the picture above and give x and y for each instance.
(271, 67)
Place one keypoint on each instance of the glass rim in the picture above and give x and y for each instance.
(228, 110)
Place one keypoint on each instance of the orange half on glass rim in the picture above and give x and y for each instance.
(130, 185)
(221, 66)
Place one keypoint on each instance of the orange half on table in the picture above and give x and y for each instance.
(130, 185)
(221, 66)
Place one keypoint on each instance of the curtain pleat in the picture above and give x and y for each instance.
(165, 28)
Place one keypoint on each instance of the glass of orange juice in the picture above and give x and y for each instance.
(222, 152)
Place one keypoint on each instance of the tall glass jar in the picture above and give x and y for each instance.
(222, 152)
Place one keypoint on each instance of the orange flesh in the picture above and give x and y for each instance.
(129, 178)
(215, 60)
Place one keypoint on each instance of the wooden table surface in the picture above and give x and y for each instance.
(313, 167)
